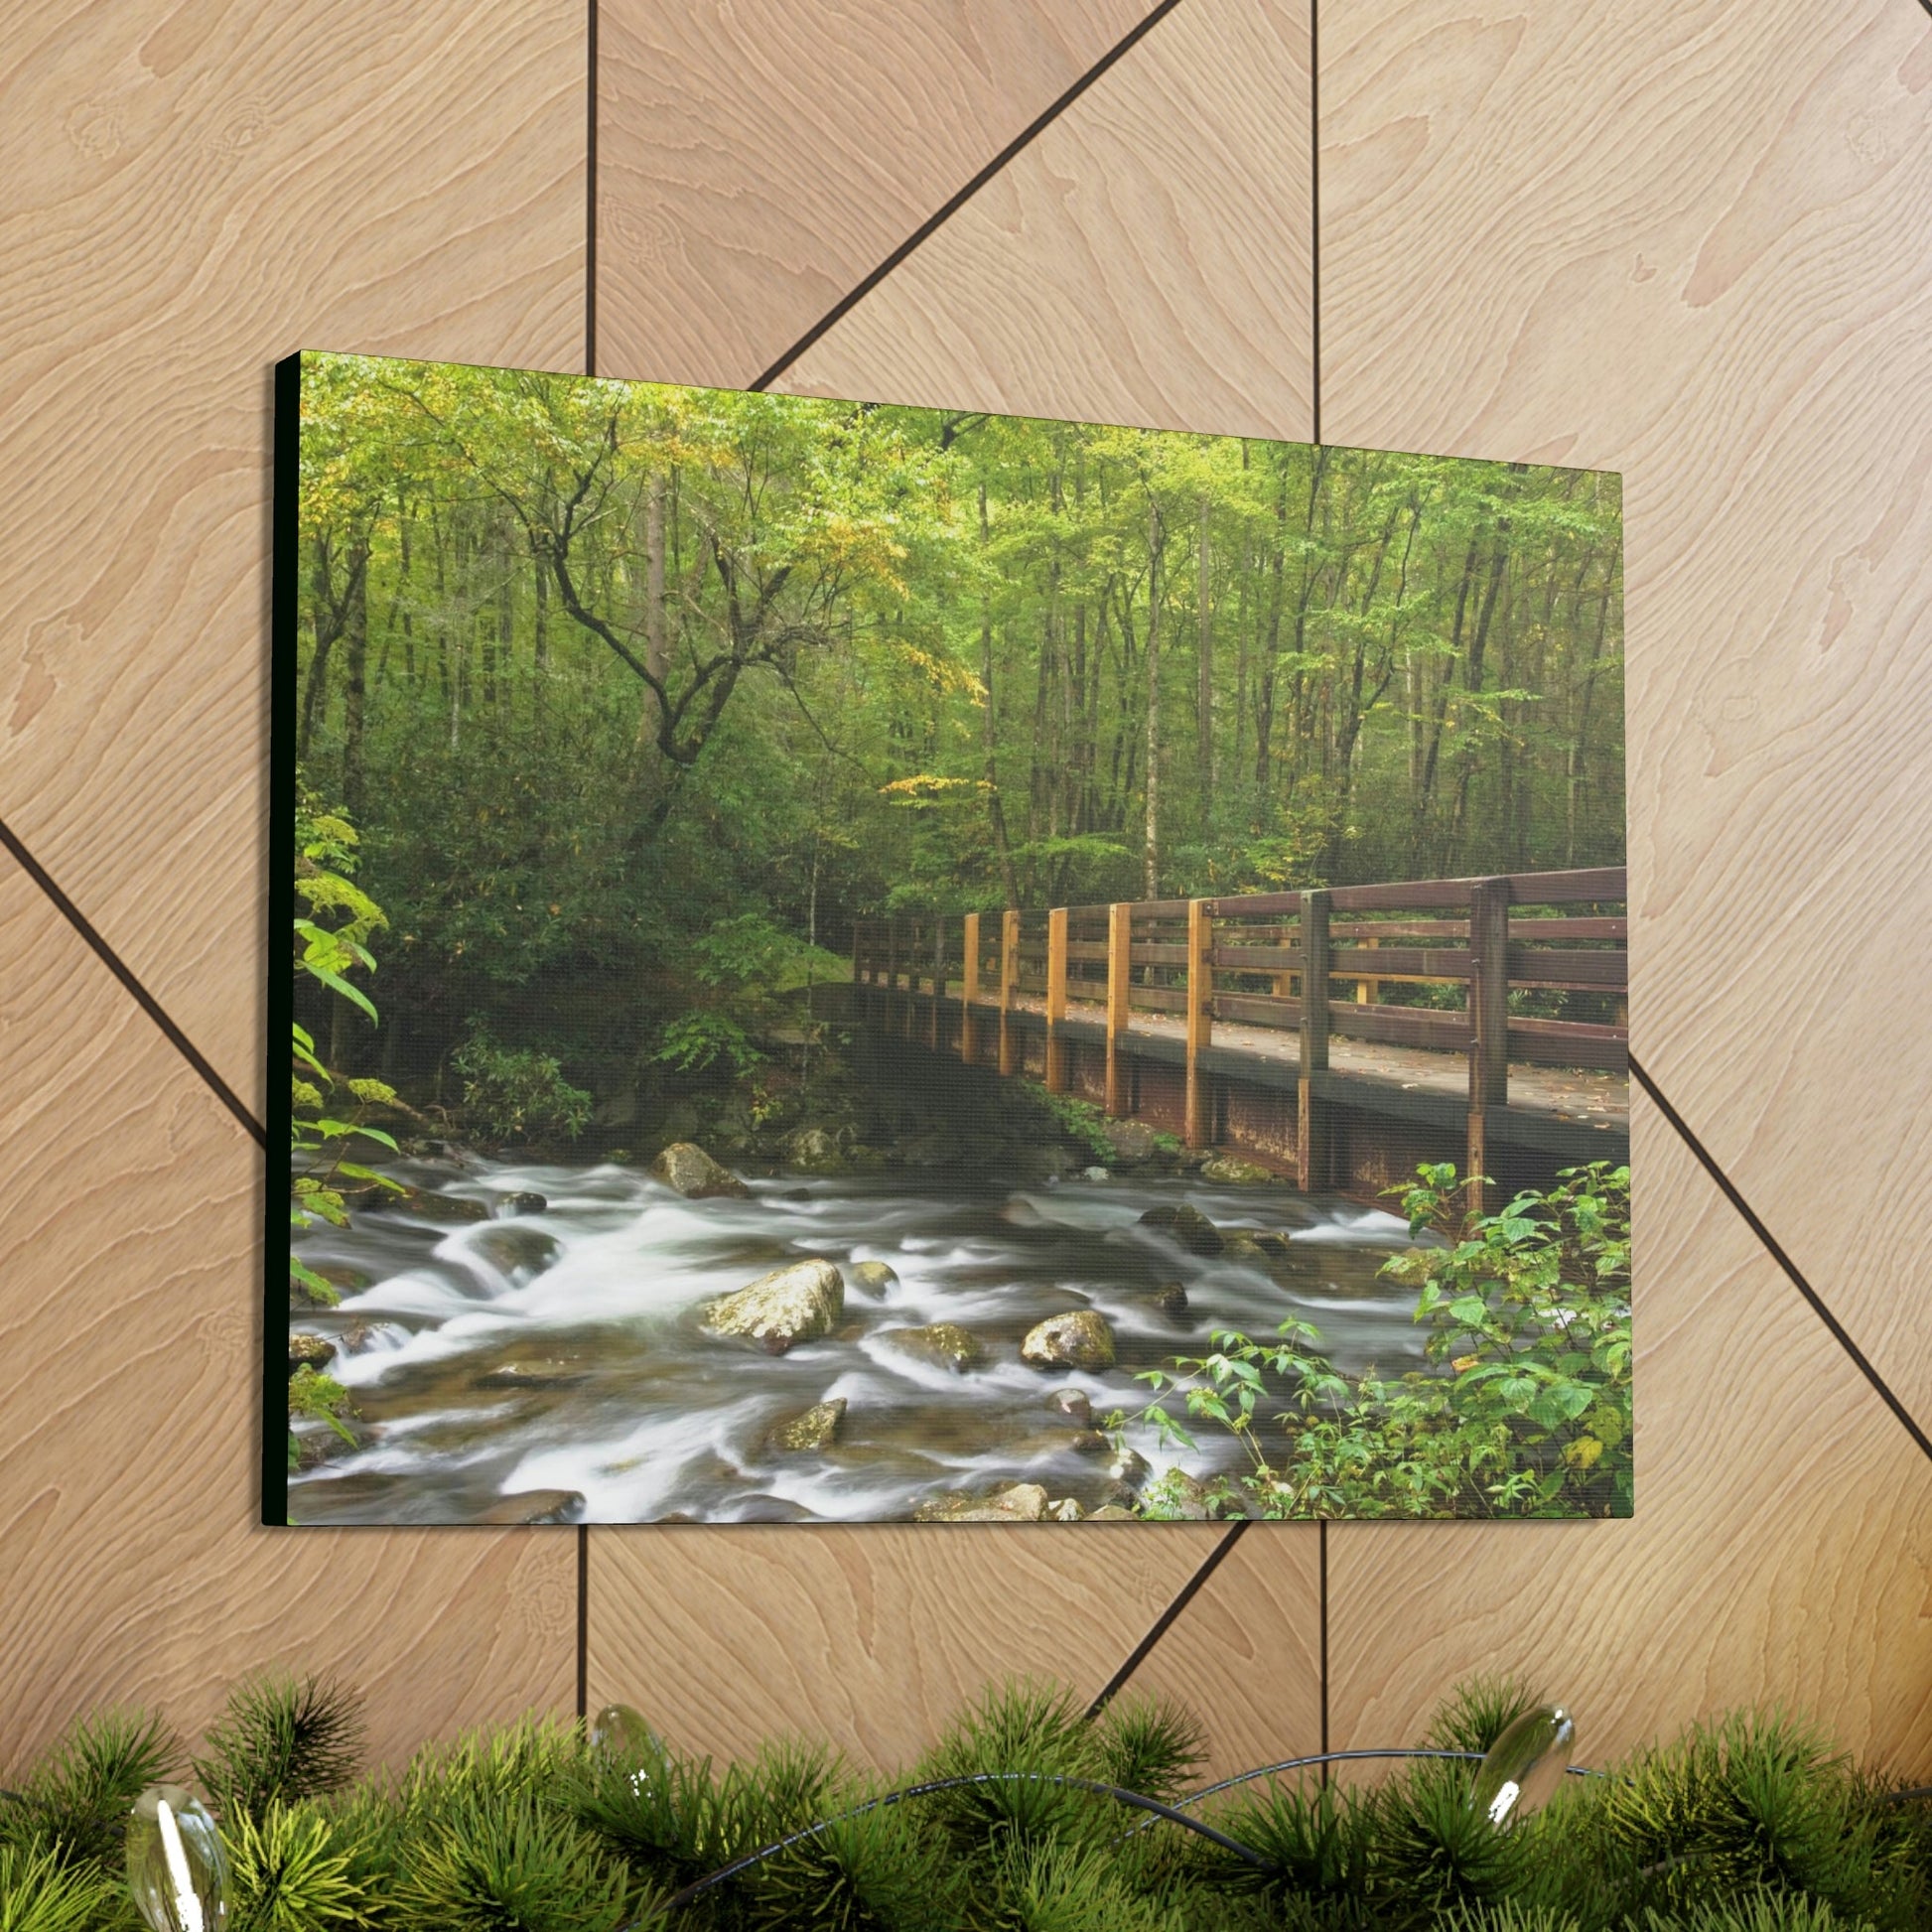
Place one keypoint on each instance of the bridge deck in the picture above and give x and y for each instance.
(1564, 1110)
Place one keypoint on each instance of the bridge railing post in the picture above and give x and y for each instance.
(1314, 1159)
(1120, 953)
(938, 981)
(1488, 1025)
(1056, 999)
(1009, 986)
(969, 990)
(1200, 1018)
(913, 936)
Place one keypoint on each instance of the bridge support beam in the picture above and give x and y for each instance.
(1009, 986)
(1056, 999)
(938, 981)
(1120, 940)
(969, 990)
(1488, 1025)
(1313, 1156)
(1200, 1018)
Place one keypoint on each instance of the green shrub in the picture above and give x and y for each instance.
(514, 1093)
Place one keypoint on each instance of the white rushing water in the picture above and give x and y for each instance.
(561, 1350)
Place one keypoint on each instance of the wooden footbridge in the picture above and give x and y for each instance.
(1265, 1024)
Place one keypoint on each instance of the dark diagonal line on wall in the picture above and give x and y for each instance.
(145, 1000)
(1160, 1625)
(1034, 128)
(590, 192)
(1732, 1193)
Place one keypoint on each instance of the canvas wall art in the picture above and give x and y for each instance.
(862, 963)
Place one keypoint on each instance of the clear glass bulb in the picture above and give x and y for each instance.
(1524, 1765)
(175, 1867)
(620, 1734)
(622, 1740)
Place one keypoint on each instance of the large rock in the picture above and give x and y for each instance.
(811, 1150)
(539, 1374)
(1073, 1405)
(1187, 1226)
(945, 1345)
(522, 1202)
(310, 1351)
(695, 1175)
(778, 1311)
(1079, 1338)
(1168, 1299)
(432, 1206)
(1132, 1141)
(1230, 1171)
(1020, 1502)
(874, 1278)
(816, 1428)
(535, 1507)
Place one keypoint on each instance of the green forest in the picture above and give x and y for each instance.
(635, 692)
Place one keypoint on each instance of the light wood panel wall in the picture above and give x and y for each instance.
(194, 189)
(1688, 243)
(1682, 242)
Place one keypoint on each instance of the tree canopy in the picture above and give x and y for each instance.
(601, 670)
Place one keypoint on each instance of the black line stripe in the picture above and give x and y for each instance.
(145, 1000)
(583, 1619)
(1729, 1188)
(1324, 1643)
(947, 211)
(590, 196)
(1160, 1625)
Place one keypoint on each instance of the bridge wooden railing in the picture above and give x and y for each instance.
(1274, 961)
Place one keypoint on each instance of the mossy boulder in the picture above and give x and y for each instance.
(1019, 1502)
(945, 1345)
(1231, 1171)
(778, 1311)
(535, 1507)
(688, 1170)
(874, 1278)
(1080, 1339)
(1188, 1227)
(811, 1150)
(817, 1429)
(310, 1351)
(1134, 1143)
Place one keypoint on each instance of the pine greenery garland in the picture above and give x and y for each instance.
(1750, 1824)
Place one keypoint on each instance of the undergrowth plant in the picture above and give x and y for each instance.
(1753, 1824)
(1528, 1411)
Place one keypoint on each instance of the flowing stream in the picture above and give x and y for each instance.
(561, 1349)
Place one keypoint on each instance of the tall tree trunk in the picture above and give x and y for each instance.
(355, 654)
(1204, 690)
(1151, 843)
(989, 728)
(650, 718)
(540, 638)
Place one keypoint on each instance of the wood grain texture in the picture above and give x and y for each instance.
(1689, 243)
(1256, 1624)
(1145, 260)
(196, 187)
(869, 1636)
(758, 158)
(131, 1255)
(1781, 1549)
